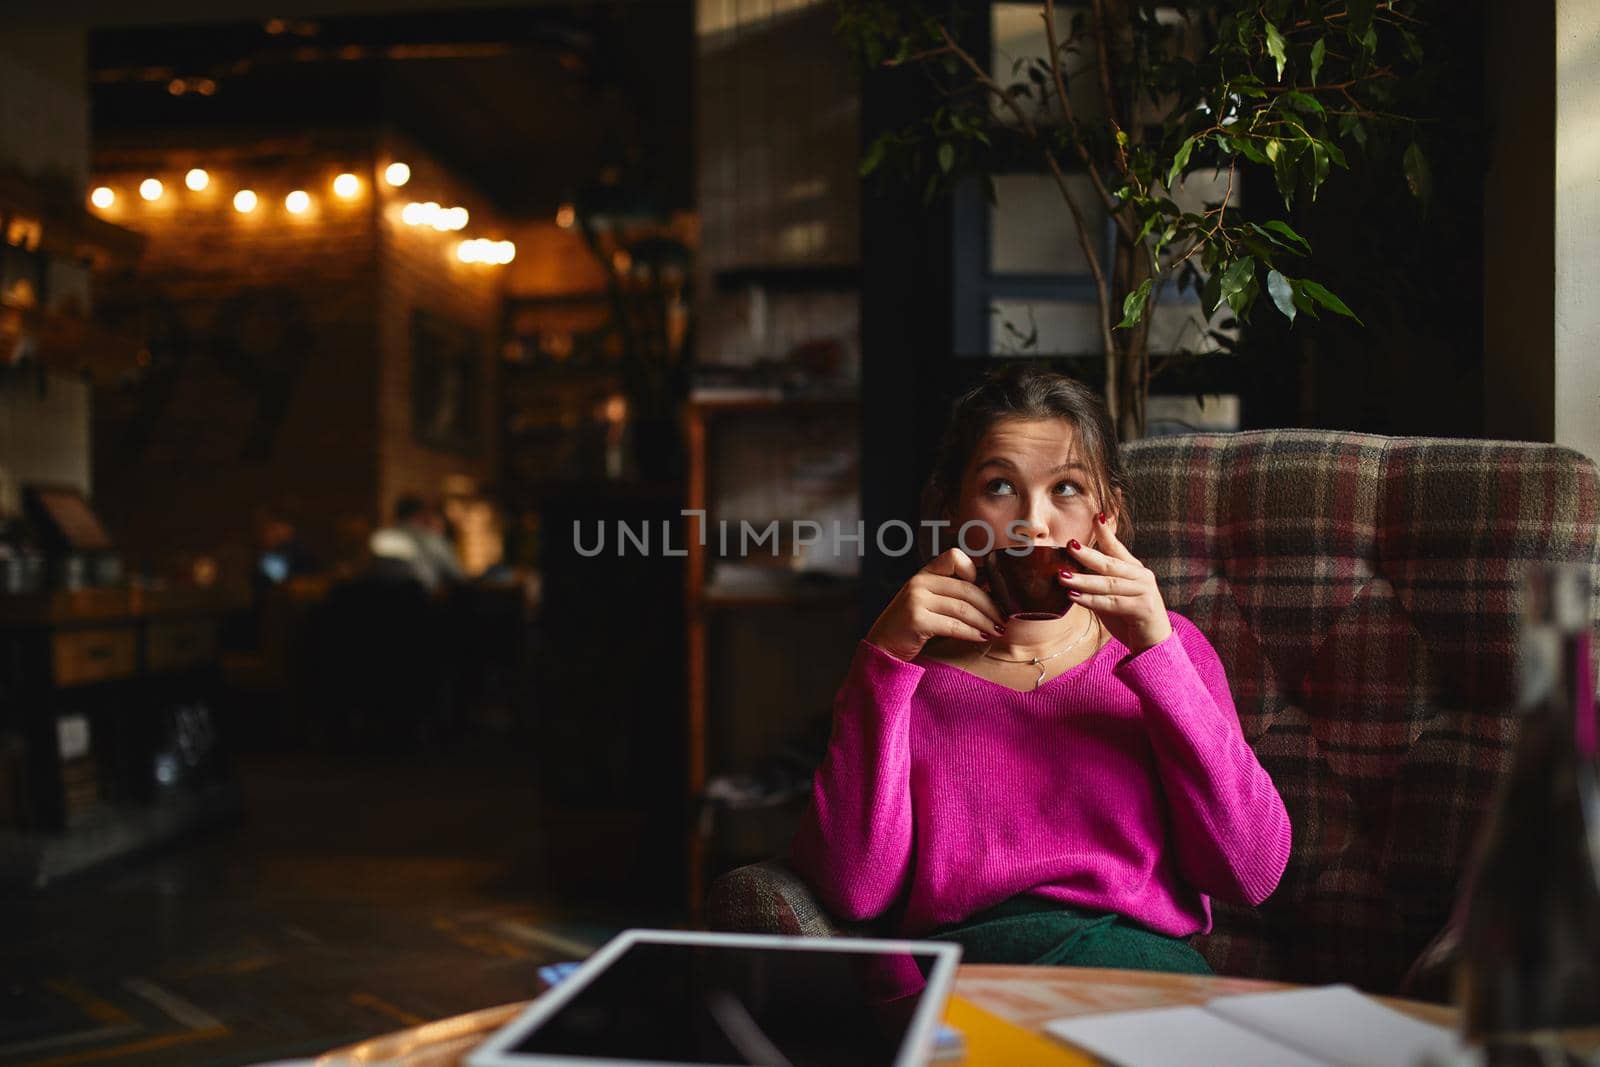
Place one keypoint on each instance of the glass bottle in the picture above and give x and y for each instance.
(1528, 978)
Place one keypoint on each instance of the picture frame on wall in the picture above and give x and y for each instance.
(446, 383)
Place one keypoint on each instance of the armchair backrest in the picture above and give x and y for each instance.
(1363, 592)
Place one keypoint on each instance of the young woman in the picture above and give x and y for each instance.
(1067, 791)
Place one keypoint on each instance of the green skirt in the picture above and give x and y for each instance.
(1033, 930)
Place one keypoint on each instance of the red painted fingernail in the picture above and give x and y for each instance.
(1074, 594)
(1074, 544)
(1101, 518)
(1065, 573)
(999, 629)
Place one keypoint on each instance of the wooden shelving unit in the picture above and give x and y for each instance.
(738, 615)
(112, 660)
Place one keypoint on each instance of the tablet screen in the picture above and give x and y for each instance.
(716, 1004)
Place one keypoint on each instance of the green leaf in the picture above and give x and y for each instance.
(1274, 150)
(1275, 48)
(1149, 224)
(1361, 16)
(1250, 150)
(1319, 52)
(1238, 275)
(1248, 85)
(1163, 241)
(1350, 126)
(1180, 161)
(1211, 293)
(947, 156)
(1133, 305)
(1409, 45)
(1282, 294)
(1419, 179)
(1304, 302)
(1325, 298)
(1304, 103)
(1241, 300)
(874, 156)
(1258, 248)
(1319, 167)
(1283, 173)
(1283, 229)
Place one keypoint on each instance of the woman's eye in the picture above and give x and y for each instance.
(1067, 489)
(998, 487)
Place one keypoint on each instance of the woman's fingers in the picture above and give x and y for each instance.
(1113, 585)
(1091, 559)
(953, 563)
(968, 593)
(962, 630)
(949, 617)
(1108, 538)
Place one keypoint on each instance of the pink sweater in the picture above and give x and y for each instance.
(1123, 785)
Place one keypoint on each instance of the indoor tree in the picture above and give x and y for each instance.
(1136, 97)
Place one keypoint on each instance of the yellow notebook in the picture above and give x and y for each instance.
(993, 1042)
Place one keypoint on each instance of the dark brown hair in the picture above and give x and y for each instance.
(1021, 390)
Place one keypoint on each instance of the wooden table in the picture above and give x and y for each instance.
(1000, 1011)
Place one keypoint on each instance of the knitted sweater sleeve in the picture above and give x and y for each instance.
(1231, 830)
(853, 845)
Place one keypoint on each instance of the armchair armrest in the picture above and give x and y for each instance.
(770, 898)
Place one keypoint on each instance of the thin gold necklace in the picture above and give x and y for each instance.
(1040, 661)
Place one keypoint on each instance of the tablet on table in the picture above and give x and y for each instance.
(649, 998)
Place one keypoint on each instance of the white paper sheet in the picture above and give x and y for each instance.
(1339, 1024)
(1175, 1037)
(1331, 1026)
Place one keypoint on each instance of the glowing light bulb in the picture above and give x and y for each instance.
(507, 251)
(151, 189)
(566, 215)
(102, 197)
(298, 202)
(397, 174)
(347, 187)
(468, 252)
(244, 201)
(197, 179)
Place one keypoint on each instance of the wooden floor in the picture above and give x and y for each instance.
(352, 900)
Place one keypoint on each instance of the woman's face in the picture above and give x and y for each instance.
(1027, 482)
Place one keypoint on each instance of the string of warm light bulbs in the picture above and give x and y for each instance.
(346, 186)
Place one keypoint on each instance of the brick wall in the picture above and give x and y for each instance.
(278, 347)
(420, 272)
(44, 123)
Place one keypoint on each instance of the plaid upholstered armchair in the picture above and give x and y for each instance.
(1362, 592)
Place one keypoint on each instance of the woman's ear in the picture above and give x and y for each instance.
(1113, 511)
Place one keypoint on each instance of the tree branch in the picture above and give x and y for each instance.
(1123, 223)
(1104, 48)
(1096, 268)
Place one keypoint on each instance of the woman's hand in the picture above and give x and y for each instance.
(1120, 590)
(940, 600)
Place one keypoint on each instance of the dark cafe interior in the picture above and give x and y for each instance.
(799, 532)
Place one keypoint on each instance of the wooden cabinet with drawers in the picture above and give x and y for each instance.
(103, 664)
(102, 654)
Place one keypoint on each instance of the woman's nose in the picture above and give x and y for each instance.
(1035, 522)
